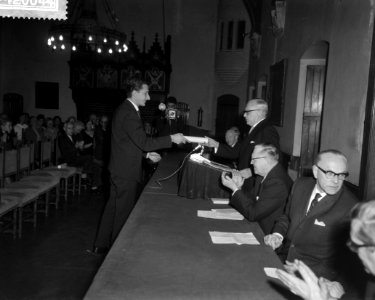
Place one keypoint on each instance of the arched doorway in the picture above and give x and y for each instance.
(226, 114)
(310, 101)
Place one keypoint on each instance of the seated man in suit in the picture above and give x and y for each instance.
(70, 150)
(261, 131)
(267, 200)
(232, 136)
(315, 223)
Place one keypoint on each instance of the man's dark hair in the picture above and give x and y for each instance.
(134, 84)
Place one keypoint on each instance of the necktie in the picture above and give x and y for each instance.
(314, 202)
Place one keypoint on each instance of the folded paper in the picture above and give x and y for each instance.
(239, 238)
(223, 214)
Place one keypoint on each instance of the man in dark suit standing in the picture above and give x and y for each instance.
(315, 223)
(267, 200)
(129, 144)
(261, 131)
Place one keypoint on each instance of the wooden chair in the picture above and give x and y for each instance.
(44, 181)
(66, 174)
(24, 194)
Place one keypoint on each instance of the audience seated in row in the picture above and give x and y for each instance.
(82, 145)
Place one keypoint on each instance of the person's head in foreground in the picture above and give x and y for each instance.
(362, 241)
(362, 234)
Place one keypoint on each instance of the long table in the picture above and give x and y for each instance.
(164, 251)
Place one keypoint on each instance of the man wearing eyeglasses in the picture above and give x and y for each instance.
(266, 201)
(261, 131)
(315, 223)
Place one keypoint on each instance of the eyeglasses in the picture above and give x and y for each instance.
(255, 158)
(332, 175)
(249, 111)
(355, 247)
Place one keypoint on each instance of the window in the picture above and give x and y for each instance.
(230, 35)
(241, 27)
(47, 95)
(221, 35)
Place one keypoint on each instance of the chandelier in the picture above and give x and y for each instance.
(84, 31)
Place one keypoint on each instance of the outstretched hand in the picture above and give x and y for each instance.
(211, 143)
(178, 138)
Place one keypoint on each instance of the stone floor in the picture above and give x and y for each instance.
(51, 262)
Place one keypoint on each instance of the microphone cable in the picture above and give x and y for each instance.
(157, 181)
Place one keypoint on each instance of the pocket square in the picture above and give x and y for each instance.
(319, 223)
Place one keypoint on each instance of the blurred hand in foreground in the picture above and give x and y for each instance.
(308, 285)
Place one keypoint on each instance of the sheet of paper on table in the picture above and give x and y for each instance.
(271, 272)
(223, 214)
(239, 238)
(220, 200)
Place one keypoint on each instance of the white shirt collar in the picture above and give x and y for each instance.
(316, 190)
(135, 106)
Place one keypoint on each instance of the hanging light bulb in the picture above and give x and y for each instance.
(119, 50)
(54, 47)
(62, 47)
(87, 32)
(125, 48)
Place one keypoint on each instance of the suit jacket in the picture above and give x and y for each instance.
(233, 163)
(68, 150)
(264, 132)
(129, 142)
(267, 200)
(316, 238)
